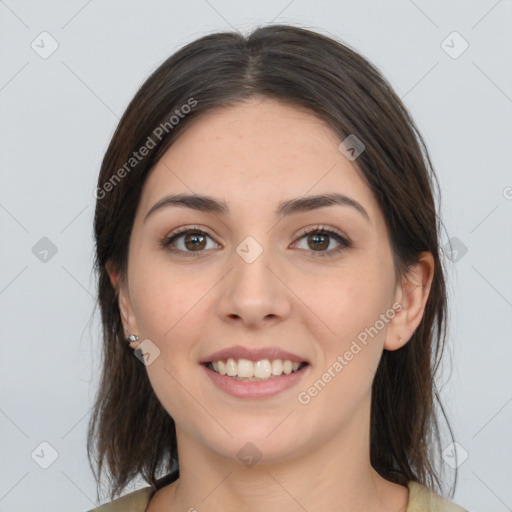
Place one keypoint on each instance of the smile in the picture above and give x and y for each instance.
(279, 375)
(254, 371)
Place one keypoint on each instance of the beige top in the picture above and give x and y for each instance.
(421, 499)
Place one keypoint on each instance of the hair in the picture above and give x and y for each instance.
(129, 429)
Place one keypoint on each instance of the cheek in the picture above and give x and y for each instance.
(351, 307)
(168, 308)
(348, 301)
(163, 299)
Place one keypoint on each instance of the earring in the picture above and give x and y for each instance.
(131, 337)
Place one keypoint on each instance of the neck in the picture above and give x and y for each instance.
(334, 475)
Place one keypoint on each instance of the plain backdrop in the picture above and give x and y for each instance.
(68, 70)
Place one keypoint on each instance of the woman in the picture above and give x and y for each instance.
(267, 248)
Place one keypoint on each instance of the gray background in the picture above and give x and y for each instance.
(57, 116)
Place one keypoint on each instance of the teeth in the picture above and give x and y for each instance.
(245, 368)
(262, 369)
(231, 368)
(277, 367)
(259, 370)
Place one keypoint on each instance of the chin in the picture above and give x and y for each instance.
(256, 444)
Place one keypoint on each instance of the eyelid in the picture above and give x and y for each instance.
(320, 227)
(186, 229)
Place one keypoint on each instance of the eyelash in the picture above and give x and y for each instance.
(344, 243)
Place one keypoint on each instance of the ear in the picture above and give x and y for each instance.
(412, 294)
(112, 274)
(124, 303)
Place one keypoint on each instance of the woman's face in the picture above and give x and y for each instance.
(254, 279)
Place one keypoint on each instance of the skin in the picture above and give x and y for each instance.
(314, 456)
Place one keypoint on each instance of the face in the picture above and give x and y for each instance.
(316, 282)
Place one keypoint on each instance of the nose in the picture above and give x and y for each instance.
(253, 293)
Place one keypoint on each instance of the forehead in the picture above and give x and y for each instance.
(253, 154)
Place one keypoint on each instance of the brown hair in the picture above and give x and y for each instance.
(129, 427)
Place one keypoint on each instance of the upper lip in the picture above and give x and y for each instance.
(252, 354)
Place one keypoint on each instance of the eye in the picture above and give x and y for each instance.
(189, 240)
(319, 238)
(193, 241)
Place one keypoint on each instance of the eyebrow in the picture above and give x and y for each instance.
(291, 206)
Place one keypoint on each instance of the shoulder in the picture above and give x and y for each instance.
(136, 501)
(423, 499)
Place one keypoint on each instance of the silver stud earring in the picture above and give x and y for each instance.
(131, 337)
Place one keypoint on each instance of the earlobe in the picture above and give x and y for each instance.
(125, 310)
(128, 318)
(412, 294)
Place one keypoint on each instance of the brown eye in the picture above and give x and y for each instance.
(187, 241)
(318, 240)
(195, 241)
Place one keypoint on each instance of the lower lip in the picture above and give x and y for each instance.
(250, 389)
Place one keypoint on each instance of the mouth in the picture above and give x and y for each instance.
(259, 380)
(255, 371)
